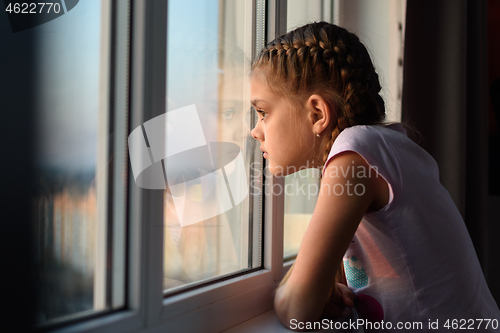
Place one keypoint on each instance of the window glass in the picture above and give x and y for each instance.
(302, 187)
(211, 211)
(301, 193)
(68, 141)
(301, 12)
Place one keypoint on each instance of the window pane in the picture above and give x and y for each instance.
(301, 188)
(208, 207)
(301, 12)
(72, 141)
(301, 193)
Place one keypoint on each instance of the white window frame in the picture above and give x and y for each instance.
(215, 307)
(237, 299)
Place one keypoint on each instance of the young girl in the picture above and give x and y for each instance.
(381, 210)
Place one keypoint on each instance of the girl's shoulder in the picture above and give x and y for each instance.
(369, 137)
(361, 131)
(387, 148)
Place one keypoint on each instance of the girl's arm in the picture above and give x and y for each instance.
(336, 217)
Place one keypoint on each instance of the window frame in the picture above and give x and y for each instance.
(110, 292)
(143, 97)
(240, 298)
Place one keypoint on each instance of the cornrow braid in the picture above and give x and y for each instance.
(322, 57)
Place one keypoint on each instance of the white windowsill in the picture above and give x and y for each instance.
(268, 322)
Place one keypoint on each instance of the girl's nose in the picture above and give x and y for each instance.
(256, 134)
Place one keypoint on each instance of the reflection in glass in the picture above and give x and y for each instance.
(207, 210)
(65, 205)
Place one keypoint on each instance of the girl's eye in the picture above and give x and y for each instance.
(228, 114)
(262, 113)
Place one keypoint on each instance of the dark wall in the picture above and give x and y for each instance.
(445, 96)
(16, 149)
(493, 250)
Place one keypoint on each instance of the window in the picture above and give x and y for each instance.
(380, 26)
(212, 216)
(80, 172)
(203, 232)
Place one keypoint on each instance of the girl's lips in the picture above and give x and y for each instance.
(265, 155)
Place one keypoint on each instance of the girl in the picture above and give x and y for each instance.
(381, 210)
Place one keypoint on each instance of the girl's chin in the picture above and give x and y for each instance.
(281, 171)
(277, 171)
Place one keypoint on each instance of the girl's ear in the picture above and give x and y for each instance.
(321, 113)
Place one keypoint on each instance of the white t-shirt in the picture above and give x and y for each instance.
(414, 257)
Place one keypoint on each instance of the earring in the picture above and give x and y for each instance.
(317, 134)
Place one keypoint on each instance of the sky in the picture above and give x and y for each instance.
(68, 86)
(68, 51)
(192, 45)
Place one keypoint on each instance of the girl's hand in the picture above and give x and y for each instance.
(340, 298)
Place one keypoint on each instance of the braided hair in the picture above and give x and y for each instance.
(324, 58)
